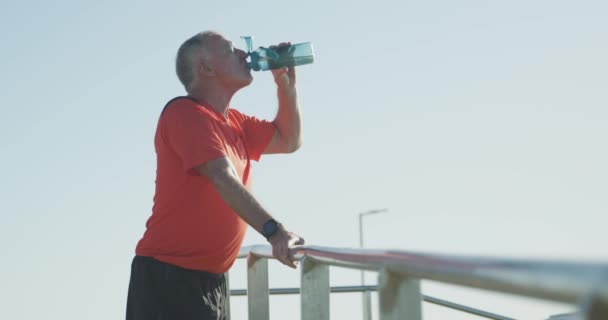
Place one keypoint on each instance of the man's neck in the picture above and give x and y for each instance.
(216, 98)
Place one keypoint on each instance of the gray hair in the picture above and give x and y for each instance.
(189, 51)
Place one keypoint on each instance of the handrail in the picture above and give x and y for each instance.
(553, 280)
(584, 284)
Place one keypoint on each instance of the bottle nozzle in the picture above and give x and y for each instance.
(248, 43)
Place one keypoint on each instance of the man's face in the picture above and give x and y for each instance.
(229, 63)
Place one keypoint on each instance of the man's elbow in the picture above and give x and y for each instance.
(293, 147)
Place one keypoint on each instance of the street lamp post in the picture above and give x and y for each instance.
(366, 295)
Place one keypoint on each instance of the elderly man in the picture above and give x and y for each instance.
(203, 203)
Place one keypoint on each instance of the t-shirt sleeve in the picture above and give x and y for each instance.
(258, 134)
(191, 133)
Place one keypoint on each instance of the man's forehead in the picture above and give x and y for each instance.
(217, 44)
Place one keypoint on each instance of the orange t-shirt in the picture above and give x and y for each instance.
(191, 226)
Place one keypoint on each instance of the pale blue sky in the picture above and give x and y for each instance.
(481, 125)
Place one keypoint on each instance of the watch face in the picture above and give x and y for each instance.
(269, 228)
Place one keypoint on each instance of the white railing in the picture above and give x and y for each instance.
(400, 272)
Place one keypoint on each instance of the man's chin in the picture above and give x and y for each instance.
(249, 80)
(245, 82)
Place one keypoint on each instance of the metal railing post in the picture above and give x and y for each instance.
(314, 290)
(257, 288)
(400, 297)
(591, 308)
(367, 305)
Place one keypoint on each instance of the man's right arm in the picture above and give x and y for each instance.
(233, 192)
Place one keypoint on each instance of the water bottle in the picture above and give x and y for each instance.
(284, 56)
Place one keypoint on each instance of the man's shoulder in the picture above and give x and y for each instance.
(176, 103)
(235, 112)
(237, 115)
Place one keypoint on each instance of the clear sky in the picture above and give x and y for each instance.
(481, 125)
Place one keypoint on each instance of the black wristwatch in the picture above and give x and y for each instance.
(269, 228)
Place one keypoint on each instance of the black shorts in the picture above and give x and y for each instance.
(160, 291)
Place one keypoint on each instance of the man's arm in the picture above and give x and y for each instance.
(234, 193)
(287, 136)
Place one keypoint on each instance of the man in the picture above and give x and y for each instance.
(203, 203)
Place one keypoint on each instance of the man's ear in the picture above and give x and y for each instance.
(206, 69)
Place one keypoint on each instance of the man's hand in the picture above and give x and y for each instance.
(281, 241)
(284, 77)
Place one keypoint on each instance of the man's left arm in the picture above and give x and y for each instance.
(287, 136)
